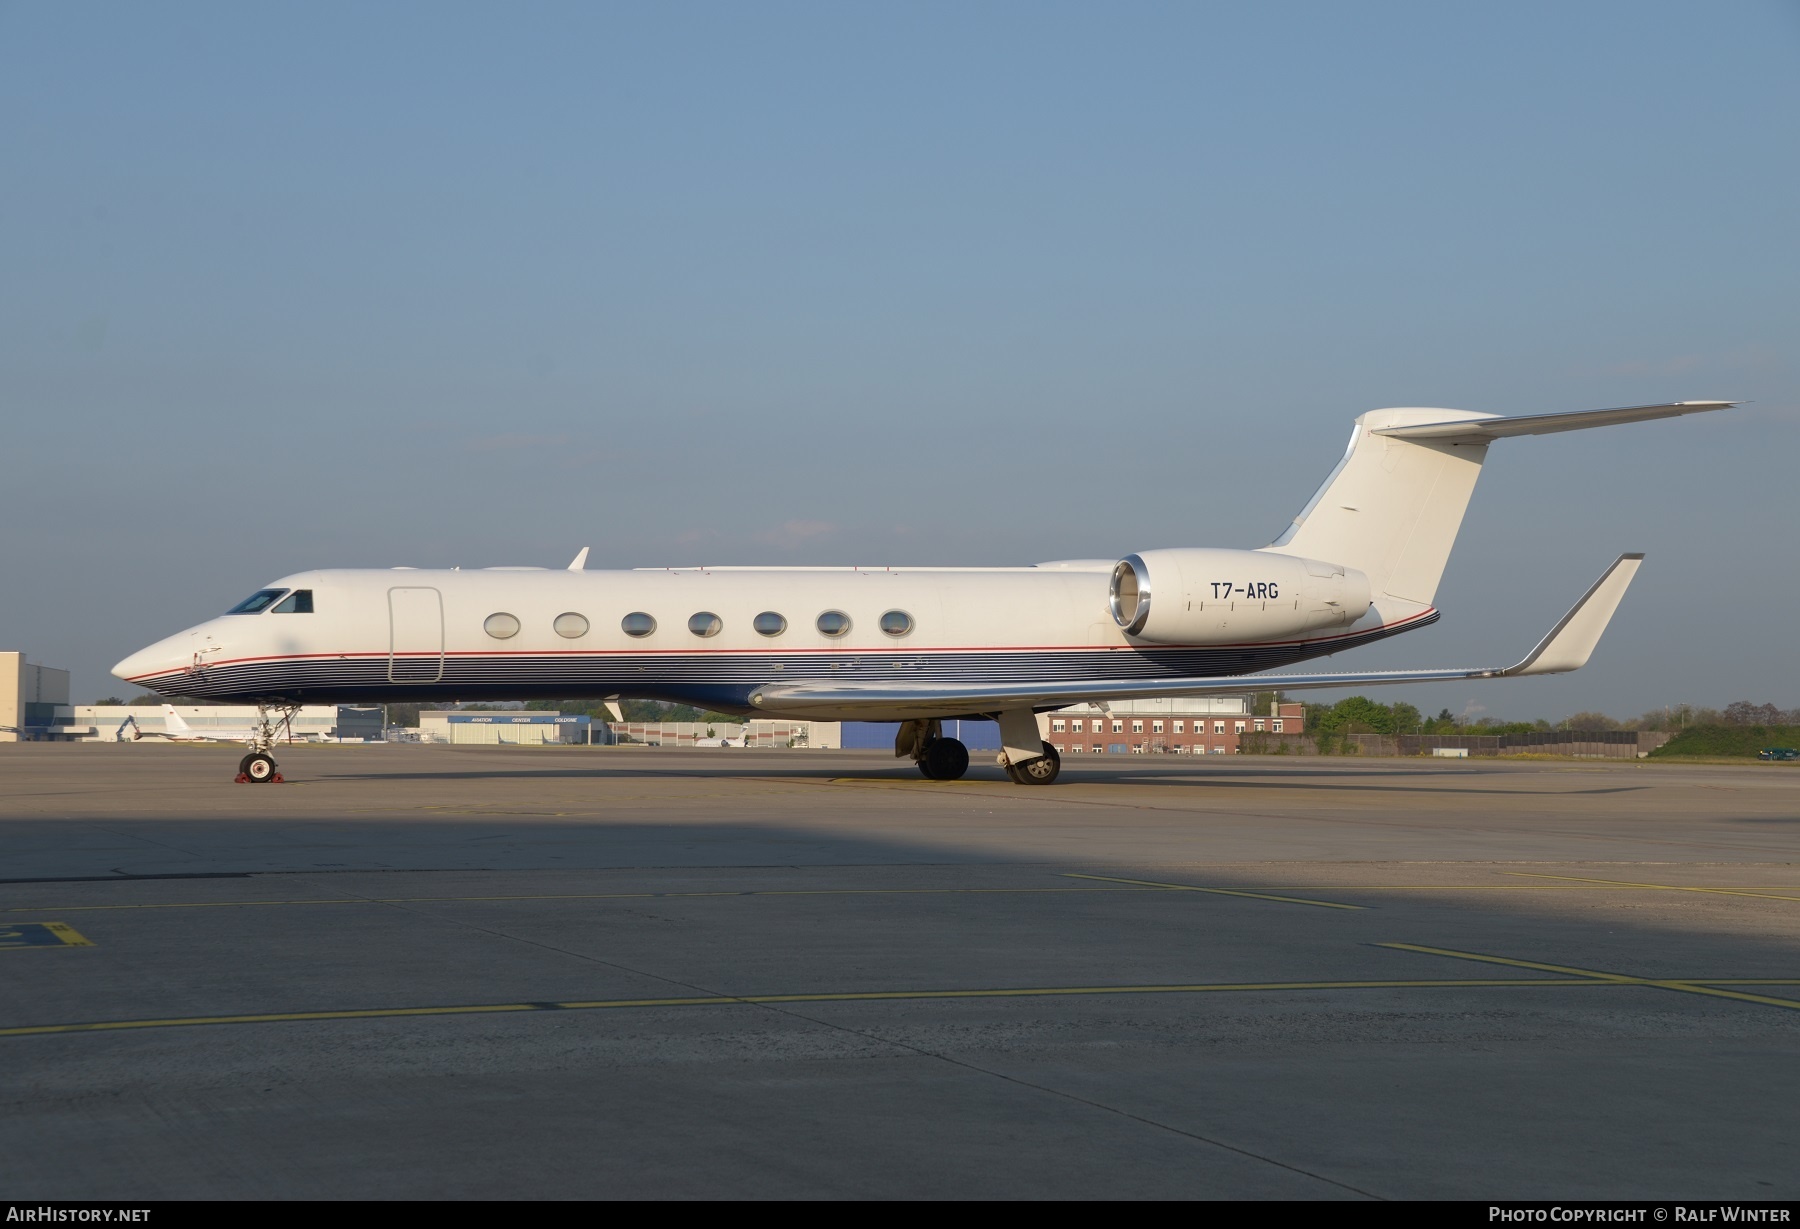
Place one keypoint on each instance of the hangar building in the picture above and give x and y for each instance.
(34, 700)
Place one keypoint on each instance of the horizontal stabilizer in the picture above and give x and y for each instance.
(1567, 647)
(1473, 429)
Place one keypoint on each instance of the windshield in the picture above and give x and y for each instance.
(257, 602)
(298, 602)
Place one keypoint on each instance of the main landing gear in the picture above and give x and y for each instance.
(1027, 758)
(938, 758)
(258, 768)
(1039, 770)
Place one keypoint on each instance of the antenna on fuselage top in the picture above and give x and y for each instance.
(580, 563)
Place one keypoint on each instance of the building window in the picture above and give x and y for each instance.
(1240, 727)
(1118, 727)
(1178, 727)
(1177, 748)
(1075, 725)
(1137, 748)
(1059, 749)
(1258, 725)
(501, 626)
(1156, 727)
(1137, 727)
(1218, 727)
(1056, 727)
(1275, 726)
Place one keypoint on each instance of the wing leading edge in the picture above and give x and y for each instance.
(1566, 647)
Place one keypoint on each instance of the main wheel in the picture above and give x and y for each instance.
(946, 759)
(1041, 771)
(259, 768)
(244, 766)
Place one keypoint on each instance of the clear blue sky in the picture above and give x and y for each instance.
(284, 286)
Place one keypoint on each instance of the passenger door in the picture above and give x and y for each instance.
(416, 635)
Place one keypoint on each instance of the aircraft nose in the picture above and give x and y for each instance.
(159, 658)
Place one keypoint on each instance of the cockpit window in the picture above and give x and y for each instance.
(257, 602)
(298, 602)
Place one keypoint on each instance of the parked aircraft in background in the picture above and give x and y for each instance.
(915, 645)
(176, 729)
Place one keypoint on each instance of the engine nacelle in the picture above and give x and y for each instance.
(1202, 596)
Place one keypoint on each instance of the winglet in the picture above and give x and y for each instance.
(580, 563)
(1572, 641)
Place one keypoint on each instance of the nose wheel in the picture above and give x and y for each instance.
(258, 768)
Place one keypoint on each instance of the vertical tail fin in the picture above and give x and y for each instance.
(173, 723)
(1393, 505)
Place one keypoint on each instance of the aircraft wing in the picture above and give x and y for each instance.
(1566, 647)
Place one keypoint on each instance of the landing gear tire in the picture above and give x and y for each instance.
(945, 759)
(1041, 771)
(259, 769)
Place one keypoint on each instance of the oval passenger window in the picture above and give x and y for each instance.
(501, 626)
(637, 623)
(834, 622)
(896, 623)
(706, 623)
(768, 623)
(570, 626)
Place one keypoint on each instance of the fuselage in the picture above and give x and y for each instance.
(710, 636)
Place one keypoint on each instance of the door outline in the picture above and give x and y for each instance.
(423, 663)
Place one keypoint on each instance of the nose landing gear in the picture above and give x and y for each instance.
(259, 768)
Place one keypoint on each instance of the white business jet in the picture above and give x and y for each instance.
(915, 645)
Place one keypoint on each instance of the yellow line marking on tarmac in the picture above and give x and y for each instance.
(1706, 986)
(1188, 887)
(416, 900)
(14, 936)
(1659, 887)
(723, 1000)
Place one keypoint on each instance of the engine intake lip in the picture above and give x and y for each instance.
(1129, 594)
